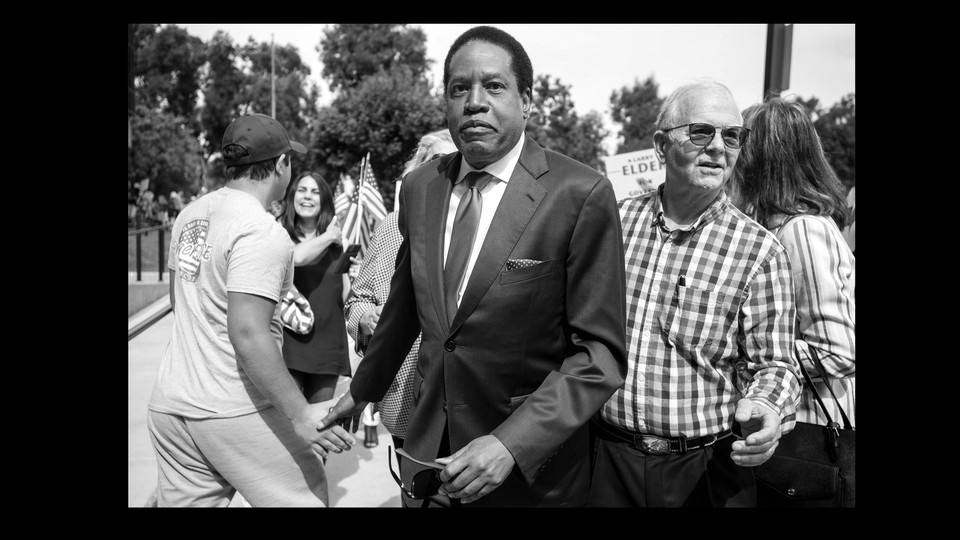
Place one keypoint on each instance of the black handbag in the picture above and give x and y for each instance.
(814, 466)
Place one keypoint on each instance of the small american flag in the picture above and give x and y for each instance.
(370, 196)
(341, 201)
(366, 210)
(348, 224)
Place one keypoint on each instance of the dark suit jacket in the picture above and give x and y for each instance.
(533, 352)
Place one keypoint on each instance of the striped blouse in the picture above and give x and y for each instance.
(824, 277)
(725, 332)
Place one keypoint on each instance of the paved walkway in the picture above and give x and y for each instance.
(358, 478)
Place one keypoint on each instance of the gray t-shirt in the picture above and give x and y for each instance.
(223, 242)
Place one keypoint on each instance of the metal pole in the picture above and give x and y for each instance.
(160, 256)
(776, 72)
(273, 83)
(363, 168)
(138, 257)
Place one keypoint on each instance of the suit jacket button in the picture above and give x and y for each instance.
(450, 346)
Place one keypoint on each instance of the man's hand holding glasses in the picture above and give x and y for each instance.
(468, 474)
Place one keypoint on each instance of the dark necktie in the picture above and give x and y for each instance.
(464, 233)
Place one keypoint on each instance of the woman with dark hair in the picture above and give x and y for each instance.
(784, 181)
(318, 358)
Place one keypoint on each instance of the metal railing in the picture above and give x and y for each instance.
(163, 310)
(161, 252)
(147, 322)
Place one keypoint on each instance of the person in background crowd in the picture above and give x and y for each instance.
(160, 210)
(371, 287)
(316, 359)
(512, 267)
(133, 193)
(710, 325)
(225, 415)
(176, 205)
(145, 208)
(784, 181)
(431, 146)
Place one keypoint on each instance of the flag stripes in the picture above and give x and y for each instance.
(365, 209)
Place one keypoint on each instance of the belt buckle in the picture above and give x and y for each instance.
(655, 446)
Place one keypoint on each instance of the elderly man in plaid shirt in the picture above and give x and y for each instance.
(712, 379)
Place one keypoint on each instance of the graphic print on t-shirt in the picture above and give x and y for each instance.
(192, 249)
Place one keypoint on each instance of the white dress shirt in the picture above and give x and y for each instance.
(491, 195)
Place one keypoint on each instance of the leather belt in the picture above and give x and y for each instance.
(653, 444)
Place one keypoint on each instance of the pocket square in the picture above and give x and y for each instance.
(514, 264)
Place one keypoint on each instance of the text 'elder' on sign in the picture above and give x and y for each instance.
(634, 173)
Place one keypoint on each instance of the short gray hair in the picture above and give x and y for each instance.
(669, 109)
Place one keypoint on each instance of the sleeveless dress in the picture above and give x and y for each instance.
(323, 351)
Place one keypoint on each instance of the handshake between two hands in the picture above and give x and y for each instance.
(331, 433)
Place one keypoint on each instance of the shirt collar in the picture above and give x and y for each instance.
(716, 208)
(502, 169)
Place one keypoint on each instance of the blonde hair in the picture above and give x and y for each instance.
(431, 145)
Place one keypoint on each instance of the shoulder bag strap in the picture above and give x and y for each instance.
(815, 358)
(826, 381)
(813, 388)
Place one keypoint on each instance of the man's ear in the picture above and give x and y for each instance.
(526, 103)
(279, 165)
(659, 143)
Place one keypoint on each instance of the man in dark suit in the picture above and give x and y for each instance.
(525, 343)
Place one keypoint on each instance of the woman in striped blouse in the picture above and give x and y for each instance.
(783, 181)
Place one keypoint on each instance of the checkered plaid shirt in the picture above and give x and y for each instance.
(369, 290)
(693, 351)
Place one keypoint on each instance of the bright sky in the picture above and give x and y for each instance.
(594, 60)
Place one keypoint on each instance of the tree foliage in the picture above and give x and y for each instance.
(222, 94)
(167, 68)
(165, 151)
(385, 115)
(635, 109)
(554, 123)
(384, 102)
(232, 91)
(352, 52)
(295, 97)
(837, 128)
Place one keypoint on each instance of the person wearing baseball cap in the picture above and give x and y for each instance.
(225, 414)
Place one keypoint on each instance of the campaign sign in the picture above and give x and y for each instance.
(634, 173)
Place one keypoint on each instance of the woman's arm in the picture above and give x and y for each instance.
(824, 279)
(308, 251)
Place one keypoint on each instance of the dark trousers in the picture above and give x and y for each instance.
(624, 476)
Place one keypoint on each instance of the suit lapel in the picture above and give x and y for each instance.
(438, 202)
(520, 200)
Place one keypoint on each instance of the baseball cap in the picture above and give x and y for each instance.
(261, 136)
